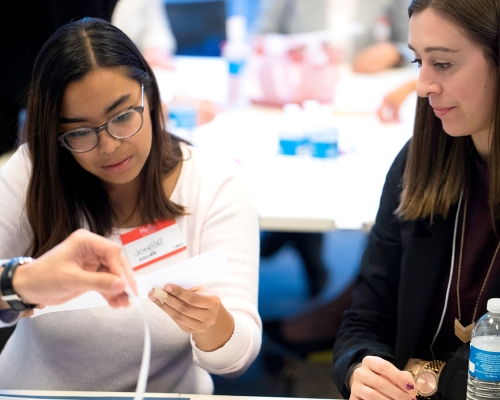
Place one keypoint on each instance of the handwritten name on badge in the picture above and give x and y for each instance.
(152, 242)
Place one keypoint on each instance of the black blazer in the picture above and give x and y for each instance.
(400, 271)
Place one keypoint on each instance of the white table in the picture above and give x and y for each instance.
(70, 394)
(303, 193)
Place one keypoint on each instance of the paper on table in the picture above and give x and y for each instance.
(194, 271)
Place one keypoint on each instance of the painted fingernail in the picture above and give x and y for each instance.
(410, 386)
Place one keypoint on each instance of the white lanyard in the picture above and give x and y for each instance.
(451, 274)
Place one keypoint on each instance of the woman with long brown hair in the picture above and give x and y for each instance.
(432, 260)
(98, 156)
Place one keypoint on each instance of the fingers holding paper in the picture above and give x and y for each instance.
(196, 311)
(83, 262)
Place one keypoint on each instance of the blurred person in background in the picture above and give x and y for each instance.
(384, 36)
(146, 23)
(381, 44)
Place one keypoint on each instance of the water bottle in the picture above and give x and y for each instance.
(323, 140)
(311, 121)
(182, 116)
(382, 29)
(484, 363)
(236, 51)
(291, 132)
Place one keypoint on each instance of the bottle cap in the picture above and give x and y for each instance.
(275, 45)
(311, 104)
(291, 108)
(493, 305)
(236, 28)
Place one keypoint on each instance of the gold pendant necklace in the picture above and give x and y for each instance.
(465, 333)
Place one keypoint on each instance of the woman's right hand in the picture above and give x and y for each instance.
(389, 110)
(378, 379)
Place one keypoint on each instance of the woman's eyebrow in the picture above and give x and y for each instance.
(435, 48)
(116, 103)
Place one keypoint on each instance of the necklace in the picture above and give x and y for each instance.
(465, 333)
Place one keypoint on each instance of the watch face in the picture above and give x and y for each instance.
(426, 382)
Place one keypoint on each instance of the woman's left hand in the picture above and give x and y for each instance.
(199, 312)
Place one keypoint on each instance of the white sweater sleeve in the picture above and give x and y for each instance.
(231, 222)
(15, 231)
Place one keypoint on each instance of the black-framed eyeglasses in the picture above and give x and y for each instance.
(122, 126)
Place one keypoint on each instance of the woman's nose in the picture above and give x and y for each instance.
(427, 84)
(108, 143)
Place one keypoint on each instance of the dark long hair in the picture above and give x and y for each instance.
(62, 196)
(436, 169)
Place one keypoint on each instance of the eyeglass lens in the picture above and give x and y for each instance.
(123, 125)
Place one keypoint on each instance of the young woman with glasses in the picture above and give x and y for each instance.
(98, 156)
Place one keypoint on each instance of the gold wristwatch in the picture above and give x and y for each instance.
(426, 375)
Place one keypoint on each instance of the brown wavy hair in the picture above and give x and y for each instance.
(437, 165)
(62, 196)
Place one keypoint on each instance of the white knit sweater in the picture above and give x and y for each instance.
(100, 349)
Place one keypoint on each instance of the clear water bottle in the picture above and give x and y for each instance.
(311, 120)
(324, 139)
(382, 29)
(484, 363)
(236, 51)
(291, 132)
(182, 117)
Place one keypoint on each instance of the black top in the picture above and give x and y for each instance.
(480, 243)
(404, 269)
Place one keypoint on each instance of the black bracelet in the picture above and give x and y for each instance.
(8, 294)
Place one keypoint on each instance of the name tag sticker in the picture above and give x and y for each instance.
(152, 242)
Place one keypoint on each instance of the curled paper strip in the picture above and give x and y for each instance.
(160, 294)
(142, 381)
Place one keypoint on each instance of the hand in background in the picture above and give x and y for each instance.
(84, 261)
(206, 111)
(389, 110)
(377, 378)
(376, 58)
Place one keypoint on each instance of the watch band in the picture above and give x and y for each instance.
(418, 368)
(435, 365)
(8, 294)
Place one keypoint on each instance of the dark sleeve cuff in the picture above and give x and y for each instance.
(349, 373)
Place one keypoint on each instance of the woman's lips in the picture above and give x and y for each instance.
(117, 166)
(442, 111)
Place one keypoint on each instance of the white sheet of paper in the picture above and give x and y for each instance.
(194, 271)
